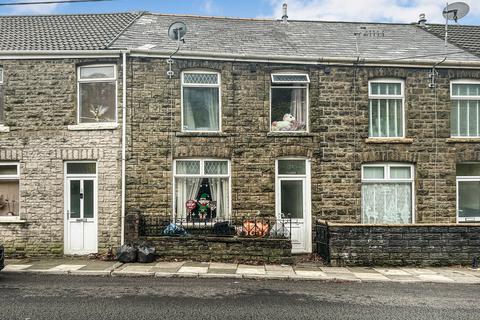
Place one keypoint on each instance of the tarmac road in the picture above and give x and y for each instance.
(31, 296)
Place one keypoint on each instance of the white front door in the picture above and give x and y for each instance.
(293, 200)
(81, 216)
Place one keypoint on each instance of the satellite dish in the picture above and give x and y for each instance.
(177, 30)
(455, 11)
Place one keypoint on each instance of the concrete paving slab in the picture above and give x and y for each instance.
(224, 266)
(103, 273)
(434, 278)
(465, 279)
(247, 269)
(311, 273)
(99, 265)
(196, 270)
(220, 275)
(335, 270)
(278, 268)
(164, 274)
(419, 271)
(362, 270)
(196, 264)
(403, 279)
(169, 265)
(135, 268)
(66, 267)
(371, 276)
(222, 271)
(16, 267)
(393, 272)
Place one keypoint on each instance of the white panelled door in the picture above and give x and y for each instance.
(293, 200)
(80, 214)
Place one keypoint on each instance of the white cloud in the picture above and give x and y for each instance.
(404, 11)
(210, 8)
(34, 8)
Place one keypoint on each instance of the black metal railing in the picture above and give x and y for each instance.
(249, 226)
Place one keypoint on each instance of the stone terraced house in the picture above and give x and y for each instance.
(370, 131)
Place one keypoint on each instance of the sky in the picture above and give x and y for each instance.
(404, 11)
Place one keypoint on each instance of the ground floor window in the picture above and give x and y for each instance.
(387, 193)
(202, 189)
(468, 192)
(9, 190)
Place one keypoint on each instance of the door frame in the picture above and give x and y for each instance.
(66, 202)
(307, 215)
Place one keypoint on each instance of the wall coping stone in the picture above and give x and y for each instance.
(93, 126)
(389, 140)
(411, 225)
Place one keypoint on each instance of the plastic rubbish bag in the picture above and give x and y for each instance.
(127, 253)
(223, 229)
(146, 253)
(173, 230)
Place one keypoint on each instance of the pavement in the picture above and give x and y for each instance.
(186, 269)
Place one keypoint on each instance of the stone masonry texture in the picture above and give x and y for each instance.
(40, 102)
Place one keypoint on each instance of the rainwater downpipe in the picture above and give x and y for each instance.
(124, 142)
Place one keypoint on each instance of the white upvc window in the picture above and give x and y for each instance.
(386, 108)
(2, 103)
(387, 193)
(9, 190)
(289, 102)
(465, 108)
(97, 94)
(468, 192)
(201, 102)
(202, 189)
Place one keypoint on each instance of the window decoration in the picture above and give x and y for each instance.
(97, 94)
(9, 190)
(465, 109)
(386, 110)
(468, 191)
(202, 189)
(387, 193)
(201, 101)
(289, 102)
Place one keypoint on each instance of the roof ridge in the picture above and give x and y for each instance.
(68, 14)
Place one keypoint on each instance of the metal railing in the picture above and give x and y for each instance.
(248, 226)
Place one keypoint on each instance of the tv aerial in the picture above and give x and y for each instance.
(176, 32)
(454, 12)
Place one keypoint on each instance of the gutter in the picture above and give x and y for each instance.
(309, 60)
(124, 142)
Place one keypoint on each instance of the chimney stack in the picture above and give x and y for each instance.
(422, 20)
(285, 16)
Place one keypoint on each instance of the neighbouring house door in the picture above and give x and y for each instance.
(293, 200)
(81, 216)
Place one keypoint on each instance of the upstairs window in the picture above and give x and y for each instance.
(200, 101)
(386, 109)
(2, 108)
(97, 94)
(289, 102)
(465, 113)
(9, 190)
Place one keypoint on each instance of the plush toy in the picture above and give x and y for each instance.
(203, 206)
(285, 124)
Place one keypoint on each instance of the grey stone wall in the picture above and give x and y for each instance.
(40, 102)
(337, 142)
(423, 245)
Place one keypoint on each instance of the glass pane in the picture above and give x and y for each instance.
(400, 173)
(472, 118)
(468, 169)
(200, 78)
(97, 102)
(375, 88)
(1, 75)
(2, 108)
(468, 199)
(81, 168)
(75, 199)
(463, 108)
(387, 203)
(465, 89)
(188, 167)
(201, 199)
(97, 72)
(297, 78)
(291, 193)
(291, 167)
(9, 198)
(289, 109)
(383, 118)
(374, 128)
(200, 109)
(373, 173)
(216, 167)
(399, 131)
(8, 170)
(88, 199)
(454, 118)
(386, 88)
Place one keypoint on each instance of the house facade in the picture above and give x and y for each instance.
(349, 123)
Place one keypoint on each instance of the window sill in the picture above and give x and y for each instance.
(4, 128)
(12, 220)
(93, 126)
(202, 134)
(389, 140)
(289, 134)
(463, 140)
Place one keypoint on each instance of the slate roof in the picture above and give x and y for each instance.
(62, 32)
(466, 37)
(313, 39)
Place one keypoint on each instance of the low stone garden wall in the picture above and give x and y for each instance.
(398, 245)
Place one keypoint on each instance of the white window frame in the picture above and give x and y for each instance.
(203, 175)
(1, 75)
(386, 97)
(12, 177)
(91, 80)
(452, 98)
(462, 179)
(202, 85)
(387, 179)
(301, 85)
